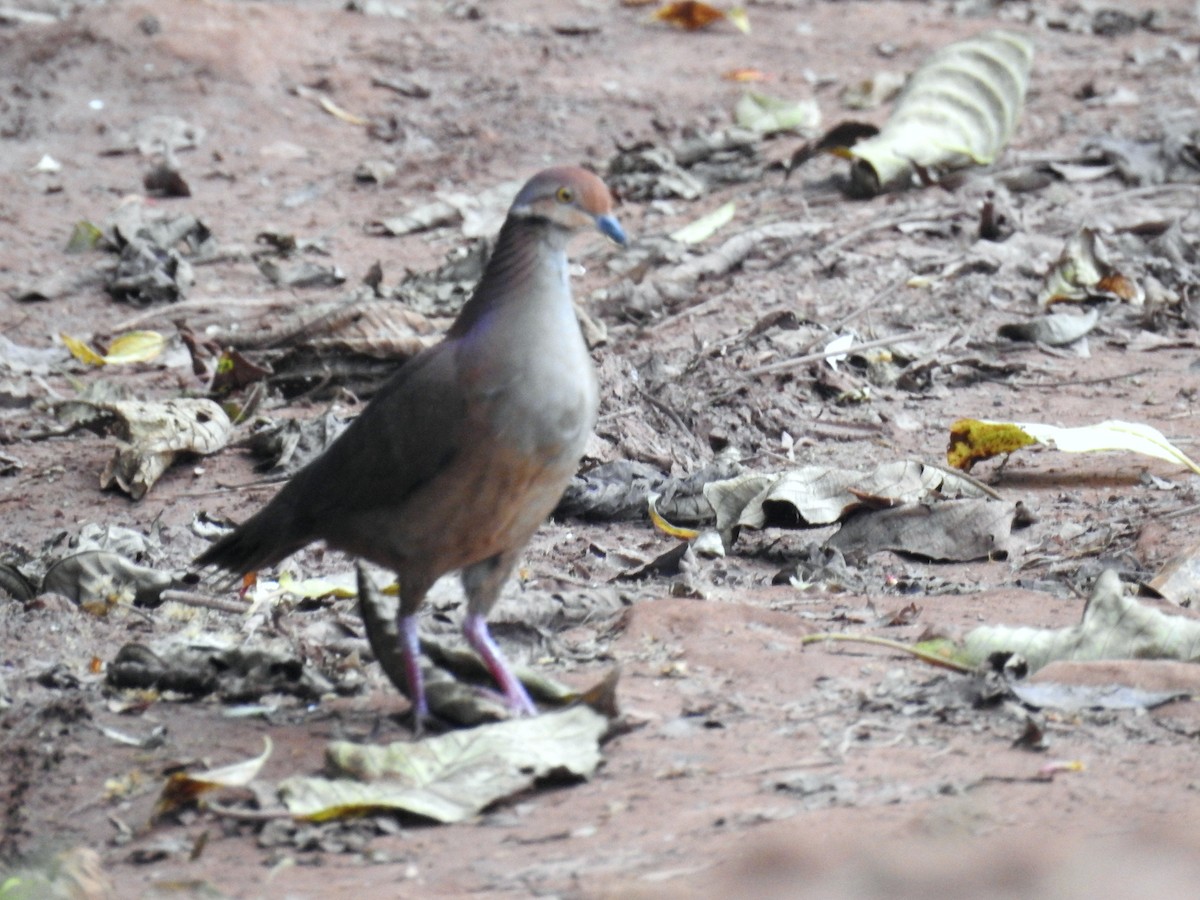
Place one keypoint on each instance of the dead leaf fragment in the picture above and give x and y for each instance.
(99, 580)
(688, 15)
(1179, 579)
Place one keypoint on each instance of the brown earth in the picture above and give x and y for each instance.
(757, 765)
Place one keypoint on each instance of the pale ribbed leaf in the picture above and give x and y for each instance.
(959, 108)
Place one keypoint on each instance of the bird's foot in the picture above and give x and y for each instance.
(476, 632)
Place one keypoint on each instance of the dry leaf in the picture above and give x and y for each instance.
(154, 433)
(454, 776)
(1114, 626)
(689, 15)
(182, 789)
(1083, 273)
(960, 107)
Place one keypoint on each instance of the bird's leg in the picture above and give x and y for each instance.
(410, 651)
(475, 629)
(482, 582)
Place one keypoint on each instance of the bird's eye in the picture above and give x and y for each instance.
(565, 195)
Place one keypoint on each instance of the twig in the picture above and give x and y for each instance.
(217, 303)
(667, 411)
(204, 601)
(1104, 379)
(248, 815)
(932, 658)
(959, 473)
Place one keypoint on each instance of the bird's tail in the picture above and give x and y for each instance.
(255, 544)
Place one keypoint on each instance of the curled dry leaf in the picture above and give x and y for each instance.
(959, 108)
(1055, 330)
(153, 433)
(684, 534)
(1114, 626)
(1083, 273)
(183, 789)
(973, 440)
(98, 580)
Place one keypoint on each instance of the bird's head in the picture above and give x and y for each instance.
(570, 198)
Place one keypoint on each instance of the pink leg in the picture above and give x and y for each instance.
(475, 630)
(410, 649)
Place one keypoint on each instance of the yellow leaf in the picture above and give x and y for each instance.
(972, 441)
(738, 19)
(684, 534)
(135, 346)
(744, 75)
(82, 351)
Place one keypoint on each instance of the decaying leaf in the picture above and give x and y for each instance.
(951, 530)
(98, 580)
(131, 347)
(234, 672)
(183, 789)
(764, 114)
(819, 495)
(153, 433)
(973, 440)
(959, 108)
(1114, 626)
(745, 75)
(1083, 273)
(451, 777)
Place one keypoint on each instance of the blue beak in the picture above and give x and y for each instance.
(610, 227)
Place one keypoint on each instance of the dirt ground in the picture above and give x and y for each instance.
(755, 765)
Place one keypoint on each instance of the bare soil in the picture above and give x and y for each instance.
(756, 765)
